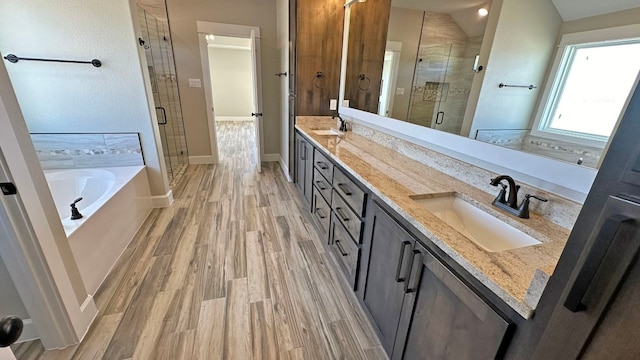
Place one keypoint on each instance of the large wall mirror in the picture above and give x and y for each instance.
(485, 71)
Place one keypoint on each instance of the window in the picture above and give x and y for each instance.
(590, 86)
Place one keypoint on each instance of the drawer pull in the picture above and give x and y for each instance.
(322, 165)
(403, 246)
(343, 217)
(320, 184)
(344, 189)
(340, 248)
(320, 213)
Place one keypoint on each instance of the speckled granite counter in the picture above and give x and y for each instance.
(517, 276)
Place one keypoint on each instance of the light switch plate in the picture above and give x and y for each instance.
(195, 83)
(333, 104)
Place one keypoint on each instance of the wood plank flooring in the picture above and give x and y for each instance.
(234, 269)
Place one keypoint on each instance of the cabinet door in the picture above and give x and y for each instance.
(444, 319)
(390, 249)
(308, 171)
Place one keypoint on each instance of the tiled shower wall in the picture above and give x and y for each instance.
(443, 72)
(75, 151)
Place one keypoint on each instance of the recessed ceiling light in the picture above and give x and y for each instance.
(483, 12)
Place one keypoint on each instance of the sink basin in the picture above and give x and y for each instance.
(327, 132)
(485, 230)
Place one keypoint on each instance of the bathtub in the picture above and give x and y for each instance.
(115, 202)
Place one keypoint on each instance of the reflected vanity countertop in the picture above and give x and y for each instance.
(517, 276)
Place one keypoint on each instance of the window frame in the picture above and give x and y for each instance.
(558, 73)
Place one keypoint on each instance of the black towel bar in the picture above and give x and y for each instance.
(14, 59)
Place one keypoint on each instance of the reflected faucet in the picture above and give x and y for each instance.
(512, 201)
(343, 123)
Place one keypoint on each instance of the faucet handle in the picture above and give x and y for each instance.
(523, 210)
(527, 196)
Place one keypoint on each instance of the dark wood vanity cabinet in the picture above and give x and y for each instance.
(304, 166)
(420, 309)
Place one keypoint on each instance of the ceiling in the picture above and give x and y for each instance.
(228, 42)
(578, 9)
(568, 9)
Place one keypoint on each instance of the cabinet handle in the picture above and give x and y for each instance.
(320, 184)
(322, 165)
(400, 260)
(597, 254)
(418, 274)
(304, 151)
(320, 213)
(343, 217)
(340, 248)
(344, 189)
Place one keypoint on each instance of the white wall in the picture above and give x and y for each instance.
(77, 97)
(405, 26)
(231, 82)
(520, 53)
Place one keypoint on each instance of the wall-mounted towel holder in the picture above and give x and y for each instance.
(530, 87)
(14, 59)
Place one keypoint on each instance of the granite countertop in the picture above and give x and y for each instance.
(517, 276)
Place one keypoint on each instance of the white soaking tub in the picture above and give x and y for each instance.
(115, 203)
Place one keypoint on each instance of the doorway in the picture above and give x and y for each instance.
(231, 68)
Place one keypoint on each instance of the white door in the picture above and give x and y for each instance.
(257, 94)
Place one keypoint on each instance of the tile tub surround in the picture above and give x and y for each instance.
(395, 177)
(77, 151)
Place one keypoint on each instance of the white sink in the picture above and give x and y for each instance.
(327, 132)
(485, 230)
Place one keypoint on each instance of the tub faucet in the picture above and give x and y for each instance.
(75, 214)
(343, 123)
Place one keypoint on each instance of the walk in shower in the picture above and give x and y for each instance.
(156, 41)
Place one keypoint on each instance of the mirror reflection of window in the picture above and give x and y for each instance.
(592, 89)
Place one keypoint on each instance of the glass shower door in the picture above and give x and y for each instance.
(162, 72)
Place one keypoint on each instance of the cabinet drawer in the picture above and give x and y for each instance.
(350, 192)
(321, 210)
(324, 166)
(348, 218)
(346, 251)
(323, 186)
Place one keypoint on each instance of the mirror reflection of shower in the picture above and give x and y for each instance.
(156, 41)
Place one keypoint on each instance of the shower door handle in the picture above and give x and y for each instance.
(164, 115)
(440, 119)
(256, 114)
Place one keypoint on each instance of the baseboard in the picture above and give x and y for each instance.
(89, 312)
(204, 159)
(162, 200)
(28, 332)
(270, 157)
(285, 170)
(234, 118)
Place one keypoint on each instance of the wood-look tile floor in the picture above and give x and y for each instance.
(234, 269)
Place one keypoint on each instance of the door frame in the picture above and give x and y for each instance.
(232, 30)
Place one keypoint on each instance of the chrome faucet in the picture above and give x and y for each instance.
(343, 123)
(510, 205)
